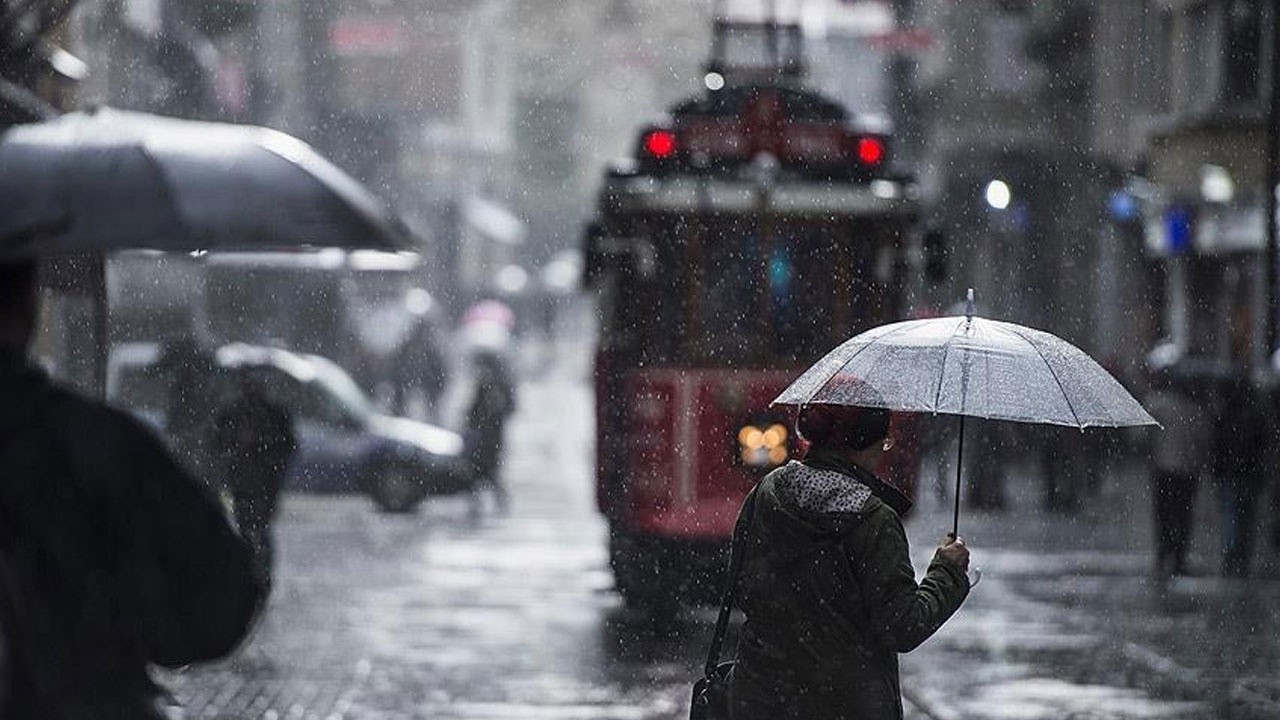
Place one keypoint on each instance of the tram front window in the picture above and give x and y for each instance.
(760, 303)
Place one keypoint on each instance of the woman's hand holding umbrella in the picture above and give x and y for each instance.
(954, 550)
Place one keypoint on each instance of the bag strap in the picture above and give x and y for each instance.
(737, 550)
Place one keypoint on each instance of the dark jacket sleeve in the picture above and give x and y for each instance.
(905, 614)
(186, 575)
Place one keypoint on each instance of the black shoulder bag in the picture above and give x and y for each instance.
(711, 691)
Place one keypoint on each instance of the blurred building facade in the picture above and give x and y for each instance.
(1130, 136)
(1202, 136)
(1004, 93)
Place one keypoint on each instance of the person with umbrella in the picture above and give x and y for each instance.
(114, 558)
(826, 583)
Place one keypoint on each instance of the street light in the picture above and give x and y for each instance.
(998, 194)
(1216, 185)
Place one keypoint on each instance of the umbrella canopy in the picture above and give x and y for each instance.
(111, 180)
(969, 366)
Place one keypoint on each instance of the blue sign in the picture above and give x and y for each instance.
(1178, 221)
(1122, 206)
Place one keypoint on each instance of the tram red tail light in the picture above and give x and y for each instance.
(871, 151)
(660, 144)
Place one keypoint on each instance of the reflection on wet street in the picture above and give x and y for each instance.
(432, 615)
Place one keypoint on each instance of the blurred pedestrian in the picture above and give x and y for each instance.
(114, 557)
(826, 581)
(1240, 442)
(985, 459)
(192, 376)
(492, 403)
(1065, 462)
(255, 442)
(1178, 455)
(420, 371)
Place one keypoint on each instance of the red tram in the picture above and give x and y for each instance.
(754, 230)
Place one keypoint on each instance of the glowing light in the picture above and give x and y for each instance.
(998, 194)
(661, 144)
(713, 81)
(870, 150)
(776, 435)
(762, 447)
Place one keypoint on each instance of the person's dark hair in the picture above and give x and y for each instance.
(843, 426)
(17, 277)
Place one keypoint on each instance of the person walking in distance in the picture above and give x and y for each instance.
(255, 441)
(1239, 445)
(491, 405)
(1179, 453)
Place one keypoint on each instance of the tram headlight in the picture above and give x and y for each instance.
(763, 446)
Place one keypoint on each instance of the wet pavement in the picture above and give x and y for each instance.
(1069, 621)
(434, 615)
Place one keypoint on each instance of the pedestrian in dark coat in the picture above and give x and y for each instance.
(827, 585)
(114, 558)
(1179, 455)
(255, 441)
(1240, 444)
(420, 370)
(491, 405)
(193, 378)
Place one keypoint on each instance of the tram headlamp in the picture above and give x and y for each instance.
(763, 446)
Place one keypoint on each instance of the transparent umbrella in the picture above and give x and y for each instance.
(969, 366)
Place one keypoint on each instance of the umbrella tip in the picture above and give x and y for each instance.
(968, 305)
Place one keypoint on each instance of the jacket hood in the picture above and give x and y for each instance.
(820, 501)
(22, 388)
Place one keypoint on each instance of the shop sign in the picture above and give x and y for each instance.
(369, 37)
(1169, 229)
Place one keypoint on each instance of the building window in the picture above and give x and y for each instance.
(1244, 20)
(1152, 71)
(1007, 68)
(1219, 52)
(1202, 57)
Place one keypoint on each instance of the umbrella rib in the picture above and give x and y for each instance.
(1052, 372)
(942, 372)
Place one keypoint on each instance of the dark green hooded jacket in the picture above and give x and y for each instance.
(831, 598)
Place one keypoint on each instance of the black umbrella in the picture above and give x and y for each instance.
(111, 180)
